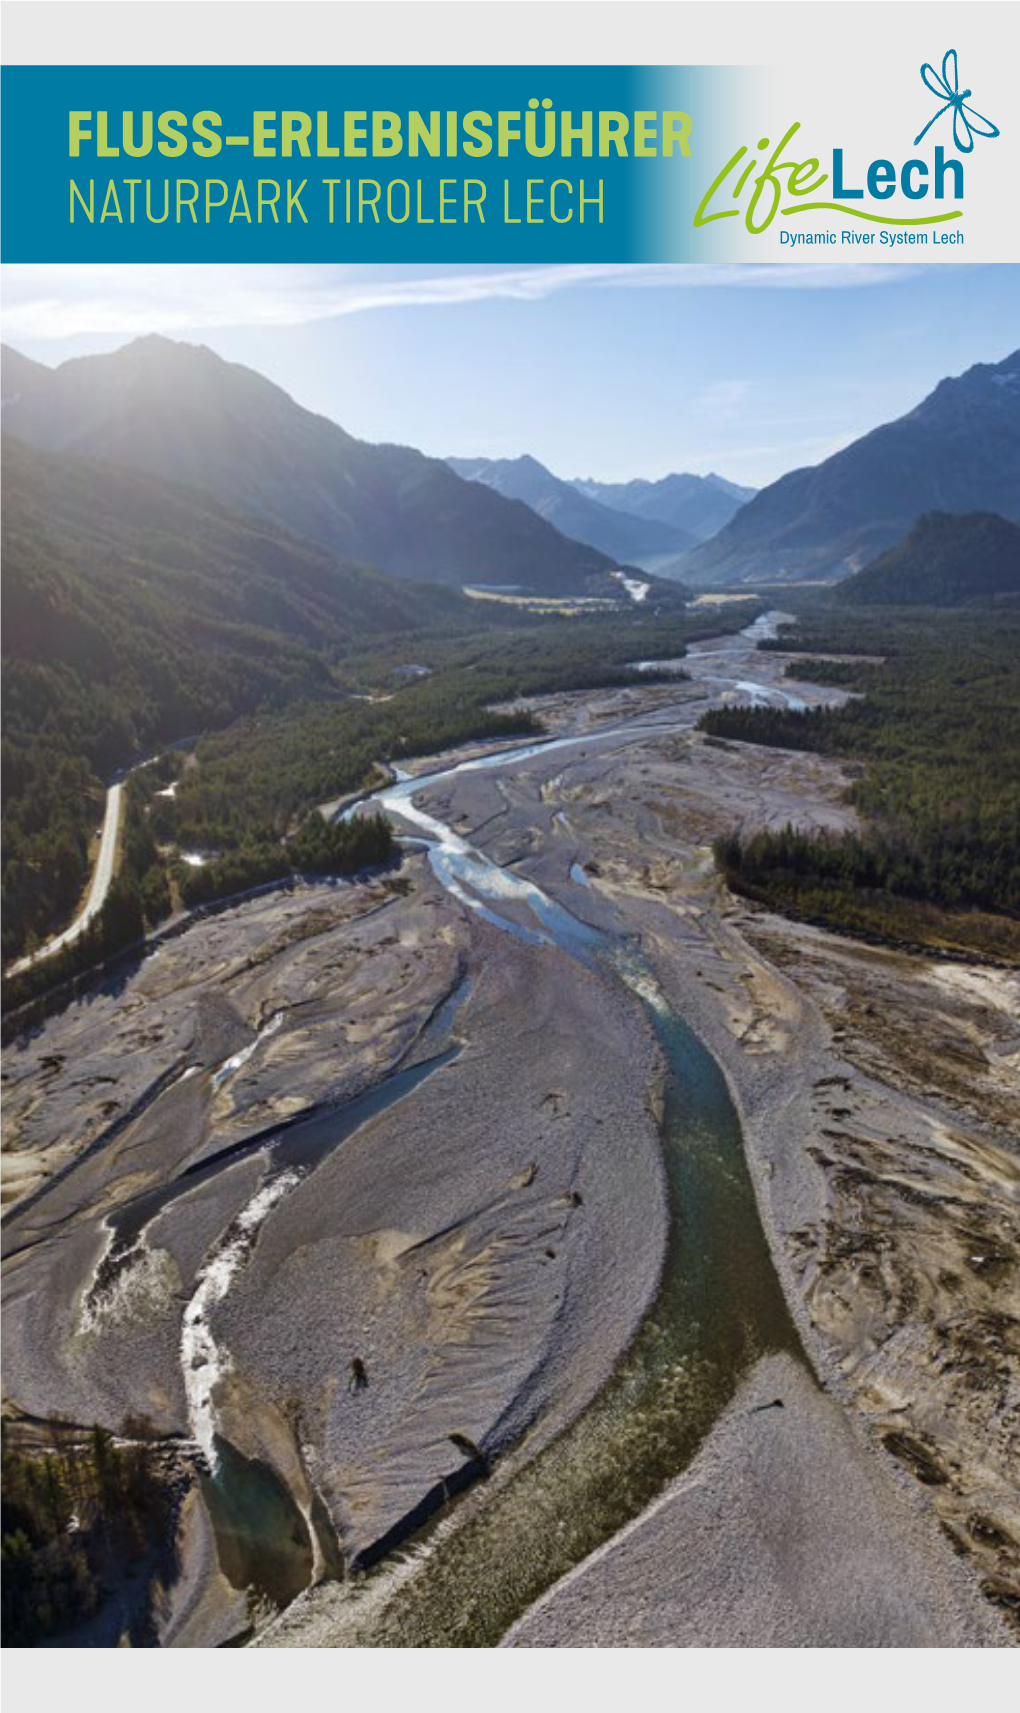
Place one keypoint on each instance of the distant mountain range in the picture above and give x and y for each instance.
(179, 412)
(949, 559)
(697, 505)
(631, 540)
(641, 523)
(958, 451)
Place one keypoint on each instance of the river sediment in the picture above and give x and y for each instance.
(488, 1288)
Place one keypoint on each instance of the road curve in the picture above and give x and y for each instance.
(101, 878)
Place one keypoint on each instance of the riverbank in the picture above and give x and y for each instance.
(782, 1534)
(638, 819)
(878, 1095)
(430, 1307)
(469, 1263)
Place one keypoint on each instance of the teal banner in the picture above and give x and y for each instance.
(359, 163)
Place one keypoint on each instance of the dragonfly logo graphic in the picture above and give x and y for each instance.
(966, 123)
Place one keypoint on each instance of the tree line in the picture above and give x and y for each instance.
(75, 1519)
(936, 725)
(245, 794)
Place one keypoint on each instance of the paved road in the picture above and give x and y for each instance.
(101, 879)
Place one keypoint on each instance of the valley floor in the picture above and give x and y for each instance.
(458, 1277)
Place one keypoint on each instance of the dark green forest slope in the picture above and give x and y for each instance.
(134, 614)
(79, 1521)
(936, 725)
(949, 559)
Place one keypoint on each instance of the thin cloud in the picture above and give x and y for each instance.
(724, 397)
(63, 301)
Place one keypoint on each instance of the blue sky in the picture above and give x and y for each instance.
(608, 372)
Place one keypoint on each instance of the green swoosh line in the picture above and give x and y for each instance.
(879, 219)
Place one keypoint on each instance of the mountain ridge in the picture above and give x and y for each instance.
(179, 412)
(700, 505)
(627, 538)
(135, 612)
(137, 589)
(957, 450)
